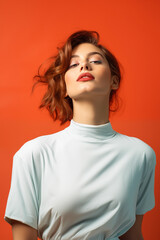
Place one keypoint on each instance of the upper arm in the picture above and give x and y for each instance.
(145, 198)
(23, 199)
(134, 232)
(22, 231)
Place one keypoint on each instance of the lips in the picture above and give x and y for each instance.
(85, 77)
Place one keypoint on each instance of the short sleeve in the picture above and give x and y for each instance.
(146, 198)
(22, 204)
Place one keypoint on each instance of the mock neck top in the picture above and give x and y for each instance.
(91, 132)
(86, 182)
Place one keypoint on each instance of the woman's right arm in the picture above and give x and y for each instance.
(22, 231)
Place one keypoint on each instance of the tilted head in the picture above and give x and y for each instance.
(56, 99)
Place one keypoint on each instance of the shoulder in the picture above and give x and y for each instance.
(136, 147)
(135, 143)
(36, 148)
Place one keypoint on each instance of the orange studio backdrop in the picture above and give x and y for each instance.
(31, 32)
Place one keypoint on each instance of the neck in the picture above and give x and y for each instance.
(90, 133)
(91, 112)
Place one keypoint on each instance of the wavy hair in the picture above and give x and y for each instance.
(55, 100)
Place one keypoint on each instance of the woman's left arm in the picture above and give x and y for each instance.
(135, 232)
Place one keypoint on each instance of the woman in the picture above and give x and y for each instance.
(86, 181)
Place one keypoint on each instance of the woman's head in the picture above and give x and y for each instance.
(89, 59)
(60, 91)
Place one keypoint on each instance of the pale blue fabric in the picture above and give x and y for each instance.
(84, 182)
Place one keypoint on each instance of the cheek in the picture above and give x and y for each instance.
(105, 74)
(68, 77)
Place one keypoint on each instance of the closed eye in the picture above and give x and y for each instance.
(98, 62)
(73, 65)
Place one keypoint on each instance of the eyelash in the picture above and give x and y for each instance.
(74, 65)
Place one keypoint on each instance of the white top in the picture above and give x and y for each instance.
(84, 182)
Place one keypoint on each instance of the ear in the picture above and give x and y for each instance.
(115, 82)
(66, 95)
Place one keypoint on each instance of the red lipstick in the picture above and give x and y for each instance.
(85, 77)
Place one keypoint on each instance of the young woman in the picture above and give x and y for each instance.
(86, 182)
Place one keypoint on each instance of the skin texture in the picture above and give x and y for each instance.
(135, 232)
(90, 98)
(22, 231)
(90, 106)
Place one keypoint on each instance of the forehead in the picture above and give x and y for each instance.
(85, 49)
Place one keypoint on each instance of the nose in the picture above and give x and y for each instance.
(85, 66)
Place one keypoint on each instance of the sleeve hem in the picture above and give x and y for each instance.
(9, 219)
(142, 212)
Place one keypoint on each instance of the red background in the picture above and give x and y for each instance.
(30, 33)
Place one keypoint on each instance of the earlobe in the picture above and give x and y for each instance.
(66, 95)
(115, 82)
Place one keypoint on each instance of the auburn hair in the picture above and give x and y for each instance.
(55, 100)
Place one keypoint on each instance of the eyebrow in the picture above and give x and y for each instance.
(89, 54)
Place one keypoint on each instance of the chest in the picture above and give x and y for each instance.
(87, 177)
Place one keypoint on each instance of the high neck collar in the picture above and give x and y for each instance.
(91, 132)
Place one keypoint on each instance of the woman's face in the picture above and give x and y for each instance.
(87, 58)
